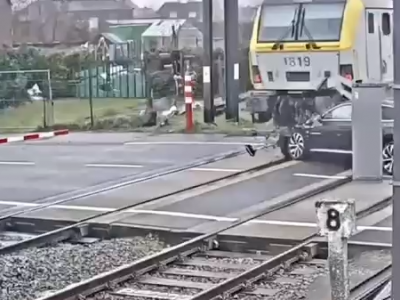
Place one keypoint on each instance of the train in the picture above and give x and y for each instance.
(310, 52)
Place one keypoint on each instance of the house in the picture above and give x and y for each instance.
(52, 20)
(171, 34)
(122, 42)
(145, 13)
(191, 10)
(79, 9)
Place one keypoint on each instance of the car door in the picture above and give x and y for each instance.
(333, 133)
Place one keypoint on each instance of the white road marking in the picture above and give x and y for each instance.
(113, 166)
(194, 143)
(17, 163)
(140, 166)
(318, 176)
(216, 170)
(371, 244)
(125, 166)
(187, 215)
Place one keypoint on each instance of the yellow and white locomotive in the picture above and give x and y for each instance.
(308, 49)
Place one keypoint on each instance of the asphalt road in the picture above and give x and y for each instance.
(34, 170)
(218, 201)
(299, 221)
(376, 235)
(229, 200)
(224, 201)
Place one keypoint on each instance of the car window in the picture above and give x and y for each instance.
(340, 113)
(387, 113)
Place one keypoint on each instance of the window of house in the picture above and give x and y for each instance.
(173, 14)
(371, 23)
(192, 14)
(386, 24)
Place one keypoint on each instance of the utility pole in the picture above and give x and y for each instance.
(396, 170)
(231, 21)
(208, 67)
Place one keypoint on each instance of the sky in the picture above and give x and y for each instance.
(157, 3)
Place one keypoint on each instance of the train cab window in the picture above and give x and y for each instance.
(276, 23)
(386, 30)
(371, 23)
(321, 21)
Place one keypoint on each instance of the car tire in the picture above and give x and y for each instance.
(294, 147)
(387, 158)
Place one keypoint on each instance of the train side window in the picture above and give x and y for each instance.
(387, 113)
(386, 24)
(371, 23)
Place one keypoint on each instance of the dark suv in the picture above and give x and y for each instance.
(331, 133)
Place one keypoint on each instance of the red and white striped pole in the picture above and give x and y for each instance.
(189, 102)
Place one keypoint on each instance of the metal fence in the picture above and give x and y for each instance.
(112, 82)
(30, 101)
(68, 103)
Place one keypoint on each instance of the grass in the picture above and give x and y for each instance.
(114, 114)
(66, 111)
(177, 124)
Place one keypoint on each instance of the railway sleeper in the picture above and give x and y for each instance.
(207, 270)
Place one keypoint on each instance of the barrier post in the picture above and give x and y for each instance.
(189, 102)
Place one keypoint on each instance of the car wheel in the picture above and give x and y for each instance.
(387, 158)
(296, 149)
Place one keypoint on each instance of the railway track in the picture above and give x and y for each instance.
(204, 248)
(197, 270)
(210, 273)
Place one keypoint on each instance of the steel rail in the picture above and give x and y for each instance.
(121, 182)
(75, 229)
(200, 243)
(370, 285)
(245, 279)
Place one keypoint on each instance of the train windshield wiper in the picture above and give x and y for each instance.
(303, 28)
(289, 31)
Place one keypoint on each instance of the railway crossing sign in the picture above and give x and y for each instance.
(337, 221)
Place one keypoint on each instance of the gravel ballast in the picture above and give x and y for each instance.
(32, 273)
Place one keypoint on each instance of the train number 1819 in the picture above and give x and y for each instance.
(300, 61)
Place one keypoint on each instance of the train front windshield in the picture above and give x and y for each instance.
(301, 22)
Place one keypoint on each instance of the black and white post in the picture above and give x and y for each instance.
(208, 68)
(231, 21)
(337, 221)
